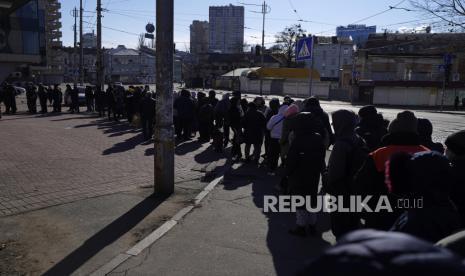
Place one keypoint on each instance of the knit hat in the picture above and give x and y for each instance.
(404, 122)
(291, 110)
(456, 143)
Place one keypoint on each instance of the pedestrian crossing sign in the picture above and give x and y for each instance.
(304, 49)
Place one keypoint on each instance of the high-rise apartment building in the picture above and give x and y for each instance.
(226, 28)
(199, 37)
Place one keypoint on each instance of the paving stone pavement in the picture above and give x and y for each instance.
(57, 159)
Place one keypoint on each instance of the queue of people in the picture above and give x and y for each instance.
(370, 156)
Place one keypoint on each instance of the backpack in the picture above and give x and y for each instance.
(356, 158)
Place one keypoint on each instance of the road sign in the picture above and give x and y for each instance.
(304, 49)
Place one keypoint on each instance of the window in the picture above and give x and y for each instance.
(345, 61)
(333, 61)
(333, 73)
(346, 51)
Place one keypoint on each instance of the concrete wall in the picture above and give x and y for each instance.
(415, 96)
(285, 87)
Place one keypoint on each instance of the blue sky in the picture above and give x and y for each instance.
(131, 17)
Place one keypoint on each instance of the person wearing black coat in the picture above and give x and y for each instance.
(57, 98)
(426, 180)
(74, 100)
(312, 105)
(347, 157)
(31, 98)
(110, 101)
(372, 127)
(185, 109)
(212, 98)
(42, 93)
(425, 131)
(254, 125)
(89, 94)
(147, 115)
(100, 101)
(455, 151)
(273, 110)
(370, 179)
(370, 252)
(9, 99)
(304, 163)
(206, 117)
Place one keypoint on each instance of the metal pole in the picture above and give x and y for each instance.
(264, 8)
(164, 131)
(311, 67)
(75, 14)
(81, 48)
(443, 93)
(99, 45)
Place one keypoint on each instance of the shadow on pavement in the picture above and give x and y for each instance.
(106, 236)
(208, 155)
(126, 145)
(189, 146)
(290, 253)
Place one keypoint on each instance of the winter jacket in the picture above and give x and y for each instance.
(185, 107)
(324, 118)
(147, 108)
(372, 130)
(458, 188)
(370, 178)
(305, 161)
(223, 106)
(370, 252)
(430, 179)
(275, 124)
(348, 154)
(254, 126)
(235, 113)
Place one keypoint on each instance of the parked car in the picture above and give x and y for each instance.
(118, 83)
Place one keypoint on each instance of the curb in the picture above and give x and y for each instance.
(157, 234)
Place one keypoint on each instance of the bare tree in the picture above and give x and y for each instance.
(450, 11)
(286, 42)
(141, 41)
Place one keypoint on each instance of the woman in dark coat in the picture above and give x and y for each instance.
(254, 124)
(304, 164)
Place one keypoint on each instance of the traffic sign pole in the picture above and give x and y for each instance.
(311, 70)
(302, 52)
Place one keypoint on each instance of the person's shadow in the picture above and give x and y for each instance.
(290, 253)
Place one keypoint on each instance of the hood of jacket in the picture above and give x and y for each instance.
(344, 123)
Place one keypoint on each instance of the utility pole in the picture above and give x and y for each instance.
(75, 15)
(81, 48)
(164, 130)
(265, 10)
(99, 45)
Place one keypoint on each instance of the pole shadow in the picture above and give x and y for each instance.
(106, 236)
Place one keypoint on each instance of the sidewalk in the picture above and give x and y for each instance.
(76, 190)
(230, 235)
